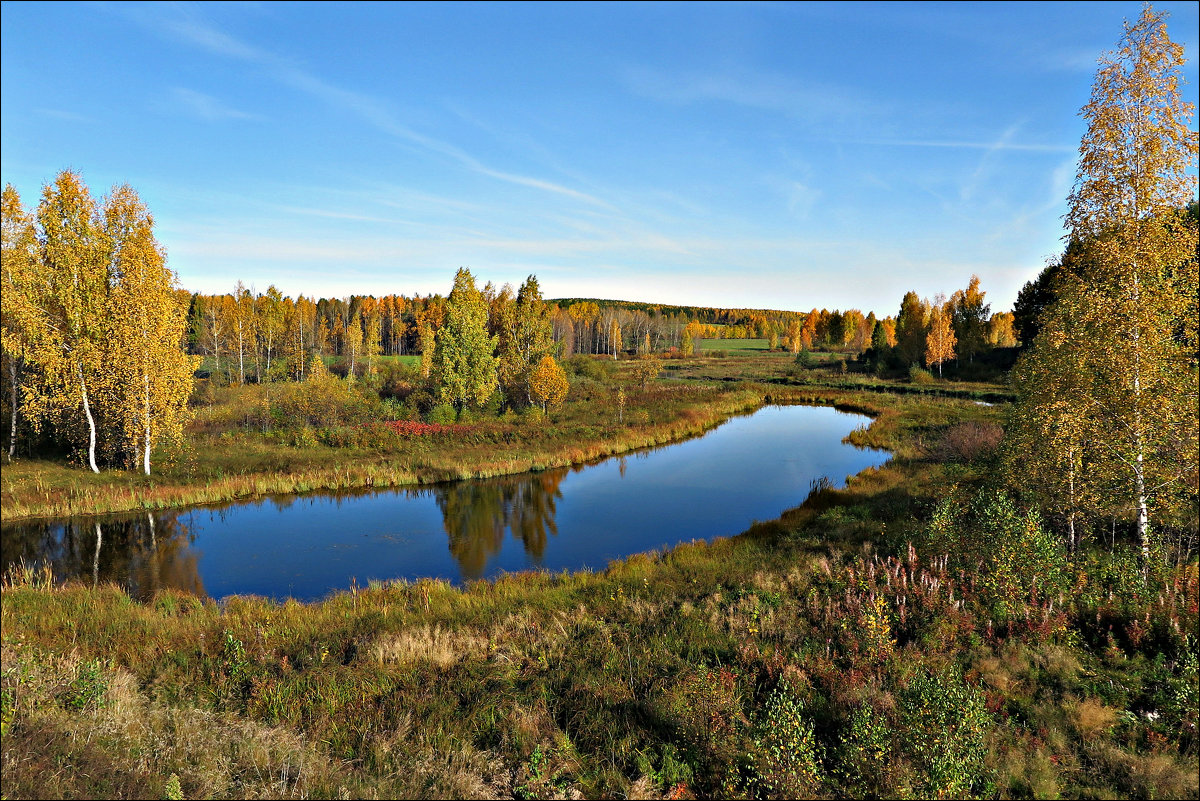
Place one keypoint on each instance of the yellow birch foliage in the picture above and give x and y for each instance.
(270, 323)
(151, 376)
(427, 345)
(372, 338)
(1000, 330)
(352, 344)
(1130, 318)
(793, 339)
(101, 321)
(18, 258)
(1049, 437)
(647, 370)
(548, 383)
(691, 332)
(940, 341)
(64, 310)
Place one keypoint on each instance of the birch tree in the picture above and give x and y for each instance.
(17, 269)
(270, 324)
(64, 310)
(940, 341)
(526, 335)
(1130, 317)
(241, 325)
(1050, 436)
(352, 343)
(548, 383)
(969, 316)
(373, 337)
(151, 375)
(463, 360)
(911, 329)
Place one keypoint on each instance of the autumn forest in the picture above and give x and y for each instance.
(1007, 606)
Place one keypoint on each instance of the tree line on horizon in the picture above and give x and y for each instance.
(101, 345)
(248, 336)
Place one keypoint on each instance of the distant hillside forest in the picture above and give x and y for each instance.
(700, 314)
(256, 336)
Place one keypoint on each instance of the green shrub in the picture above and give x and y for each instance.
(865, 753)
(590, 367)
(323, 401)
(945, 725)
(8, 710)
(706, 705)
(1018, 562)
(670, 769)
(394, 379)
(442, 414)
(919, 375)
(1178, 693)
(786, 757)
(172, 791)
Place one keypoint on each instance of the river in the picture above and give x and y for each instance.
(750, 468)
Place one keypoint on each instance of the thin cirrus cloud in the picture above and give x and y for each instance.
(207, 107)
(813, 101)
(969, 145)
(64, 115)
(188, 27)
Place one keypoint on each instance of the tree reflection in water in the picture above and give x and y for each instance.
(477, 514)
(144, 553)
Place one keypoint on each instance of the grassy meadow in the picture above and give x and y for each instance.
(915, 634)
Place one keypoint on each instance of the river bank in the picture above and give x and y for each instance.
(234, 463)
(816, 654)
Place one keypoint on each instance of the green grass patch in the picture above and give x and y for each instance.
(741, 347)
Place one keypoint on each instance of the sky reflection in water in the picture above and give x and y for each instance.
(751, 468)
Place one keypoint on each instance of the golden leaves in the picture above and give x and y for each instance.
(548, 383)
(92, 306)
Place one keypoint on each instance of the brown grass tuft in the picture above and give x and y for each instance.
(428, 644)
(1090, 716)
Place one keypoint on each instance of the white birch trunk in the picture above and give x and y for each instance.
(87, 411)
(146, 449)
(12, 437)
(1071, 498)
(1139, 474)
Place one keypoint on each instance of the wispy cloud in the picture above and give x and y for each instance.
(187, 26)
(963, 144)
(1081, 59)
(811, 101)
(61, 114)
(207, 107)
(341, 215)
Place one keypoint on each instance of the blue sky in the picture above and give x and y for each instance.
(752, 155)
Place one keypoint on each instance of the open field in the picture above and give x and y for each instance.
(1000, 601)
(669, 674)
(852, 647)
(737, 347)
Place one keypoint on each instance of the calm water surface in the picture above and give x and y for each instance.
(305, 546)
